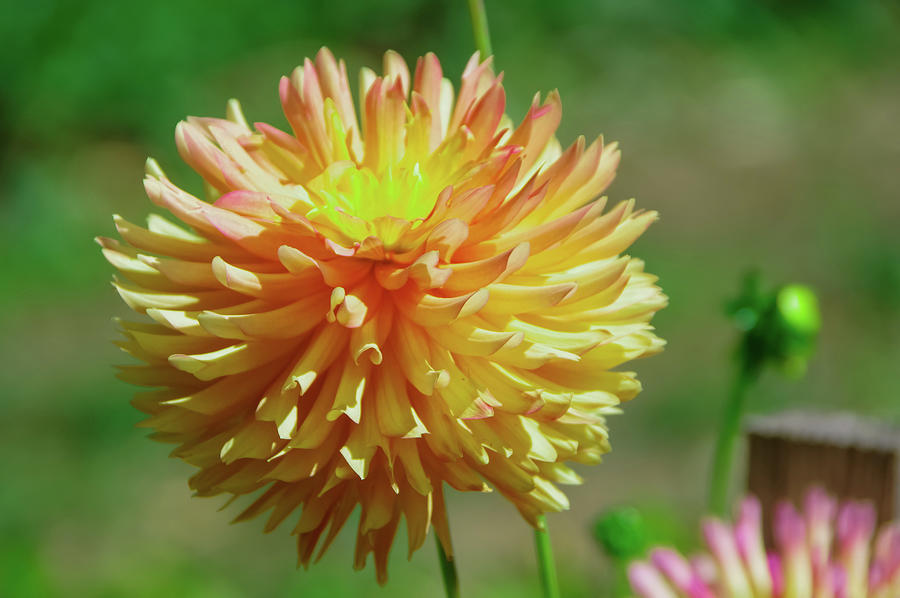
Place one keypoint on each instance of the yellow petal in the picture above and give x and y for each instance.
(292, 321)
(234, 359)
(396, 417)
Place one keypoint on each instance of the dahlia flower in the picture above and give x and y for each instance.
(362, 311)
(826, 551)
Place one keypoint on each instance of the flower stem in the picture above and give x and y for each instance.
(448, 571)
(728, 436)
(546, 565)
(480, 28)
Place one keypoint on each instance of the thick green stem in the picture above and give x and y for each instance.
(546, 565)
(448, 571)
(729, 432)
(480, 28)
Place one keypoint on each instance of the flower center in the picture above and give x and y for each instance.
(358, 203)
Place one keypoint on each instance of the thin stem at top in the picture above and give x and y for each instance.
(480, 28)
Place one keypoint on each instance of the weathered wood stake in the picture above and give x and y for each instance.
(851, 457)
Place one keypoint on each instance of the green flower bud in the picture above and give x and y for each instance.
(622, 533)
(779, 327)
(799, 309)
(798, 322)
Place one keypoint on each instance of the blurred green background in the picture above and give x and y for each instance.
(765, 132)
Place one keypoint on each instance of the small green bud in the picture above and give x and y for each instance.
(799, 309)
(622, 533)
(798, 322)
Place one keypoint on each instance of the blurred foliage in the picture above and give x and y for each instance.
(764, 131)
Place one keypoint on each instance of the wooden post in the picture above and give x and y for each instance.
(851, 457)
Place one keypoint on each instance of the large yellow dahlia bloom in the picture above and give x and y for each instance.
(366, 310)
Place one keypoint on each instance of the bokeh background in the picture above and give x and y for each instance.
(766, 132)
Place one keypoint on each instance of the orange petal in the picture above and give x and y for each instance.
(480, 273)
(429, 310)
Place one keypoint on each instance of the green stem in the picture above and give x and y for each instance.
(546, 565)
(728, 436)
(480, 28)
(448, 571)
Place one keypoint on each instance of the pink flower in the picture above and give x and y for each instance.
(824, 552)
